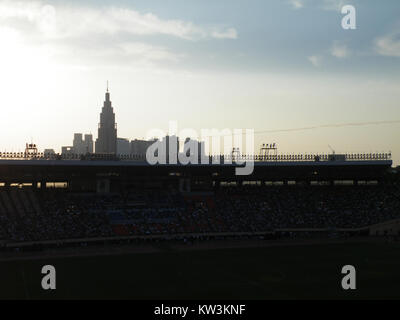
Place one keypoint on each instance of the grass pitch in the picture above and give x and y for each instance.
(276, 272)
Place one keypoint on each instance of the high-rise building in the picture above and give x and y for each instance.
(88, 143)
(139, 147)
(123, 146)
(81, 146)
(77, 142)
(107, 132)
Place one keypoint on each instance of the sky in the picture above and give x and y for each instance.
(264, 65)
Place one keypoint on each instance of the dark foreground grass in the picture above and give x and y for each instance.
(283, 272)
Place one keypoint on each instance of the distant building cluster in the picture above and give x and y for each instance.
(108, 141)
(80, 145)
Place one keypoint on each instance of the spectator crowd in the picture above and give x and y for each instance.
(52, 215)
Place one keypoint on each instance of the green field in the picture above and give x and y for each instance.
(282, 272)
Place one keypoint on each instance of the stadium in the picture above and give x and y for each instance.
(114, 205)
(81, 211)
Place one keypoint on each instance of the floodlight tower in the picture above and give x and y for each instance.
(268, 149)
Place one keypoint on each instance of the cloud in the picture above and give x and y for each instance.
(71, 21)
(339, 50)
(315, 60)
(388, 45)
(109, 34)
(153, 53)
(230, 33)
(296, 4)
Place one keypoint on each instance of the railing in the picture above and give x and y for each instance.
(211, 159)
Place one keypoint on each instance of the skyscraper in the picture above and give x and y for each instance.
(123, 146)
(107, 134)
(82, 146)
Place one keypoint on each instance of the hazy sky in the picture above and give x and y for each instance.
(266, 65)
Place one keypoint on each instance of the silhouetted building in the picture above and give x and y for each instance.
(139, 147)
(77, 142)
(123, 147)
(83, 146)
(89, 143)
(49, 152)
(67, 150)
(107, 134)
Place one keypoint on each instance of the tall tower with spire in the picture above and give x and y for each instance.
(106, 141)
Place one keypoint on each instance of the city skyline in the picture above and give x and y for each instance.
(208, 68)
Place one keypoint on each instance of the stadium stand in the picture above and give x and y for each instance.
(59, 214)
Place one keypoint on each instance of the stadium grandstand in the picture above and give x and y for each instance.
(53, 202)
